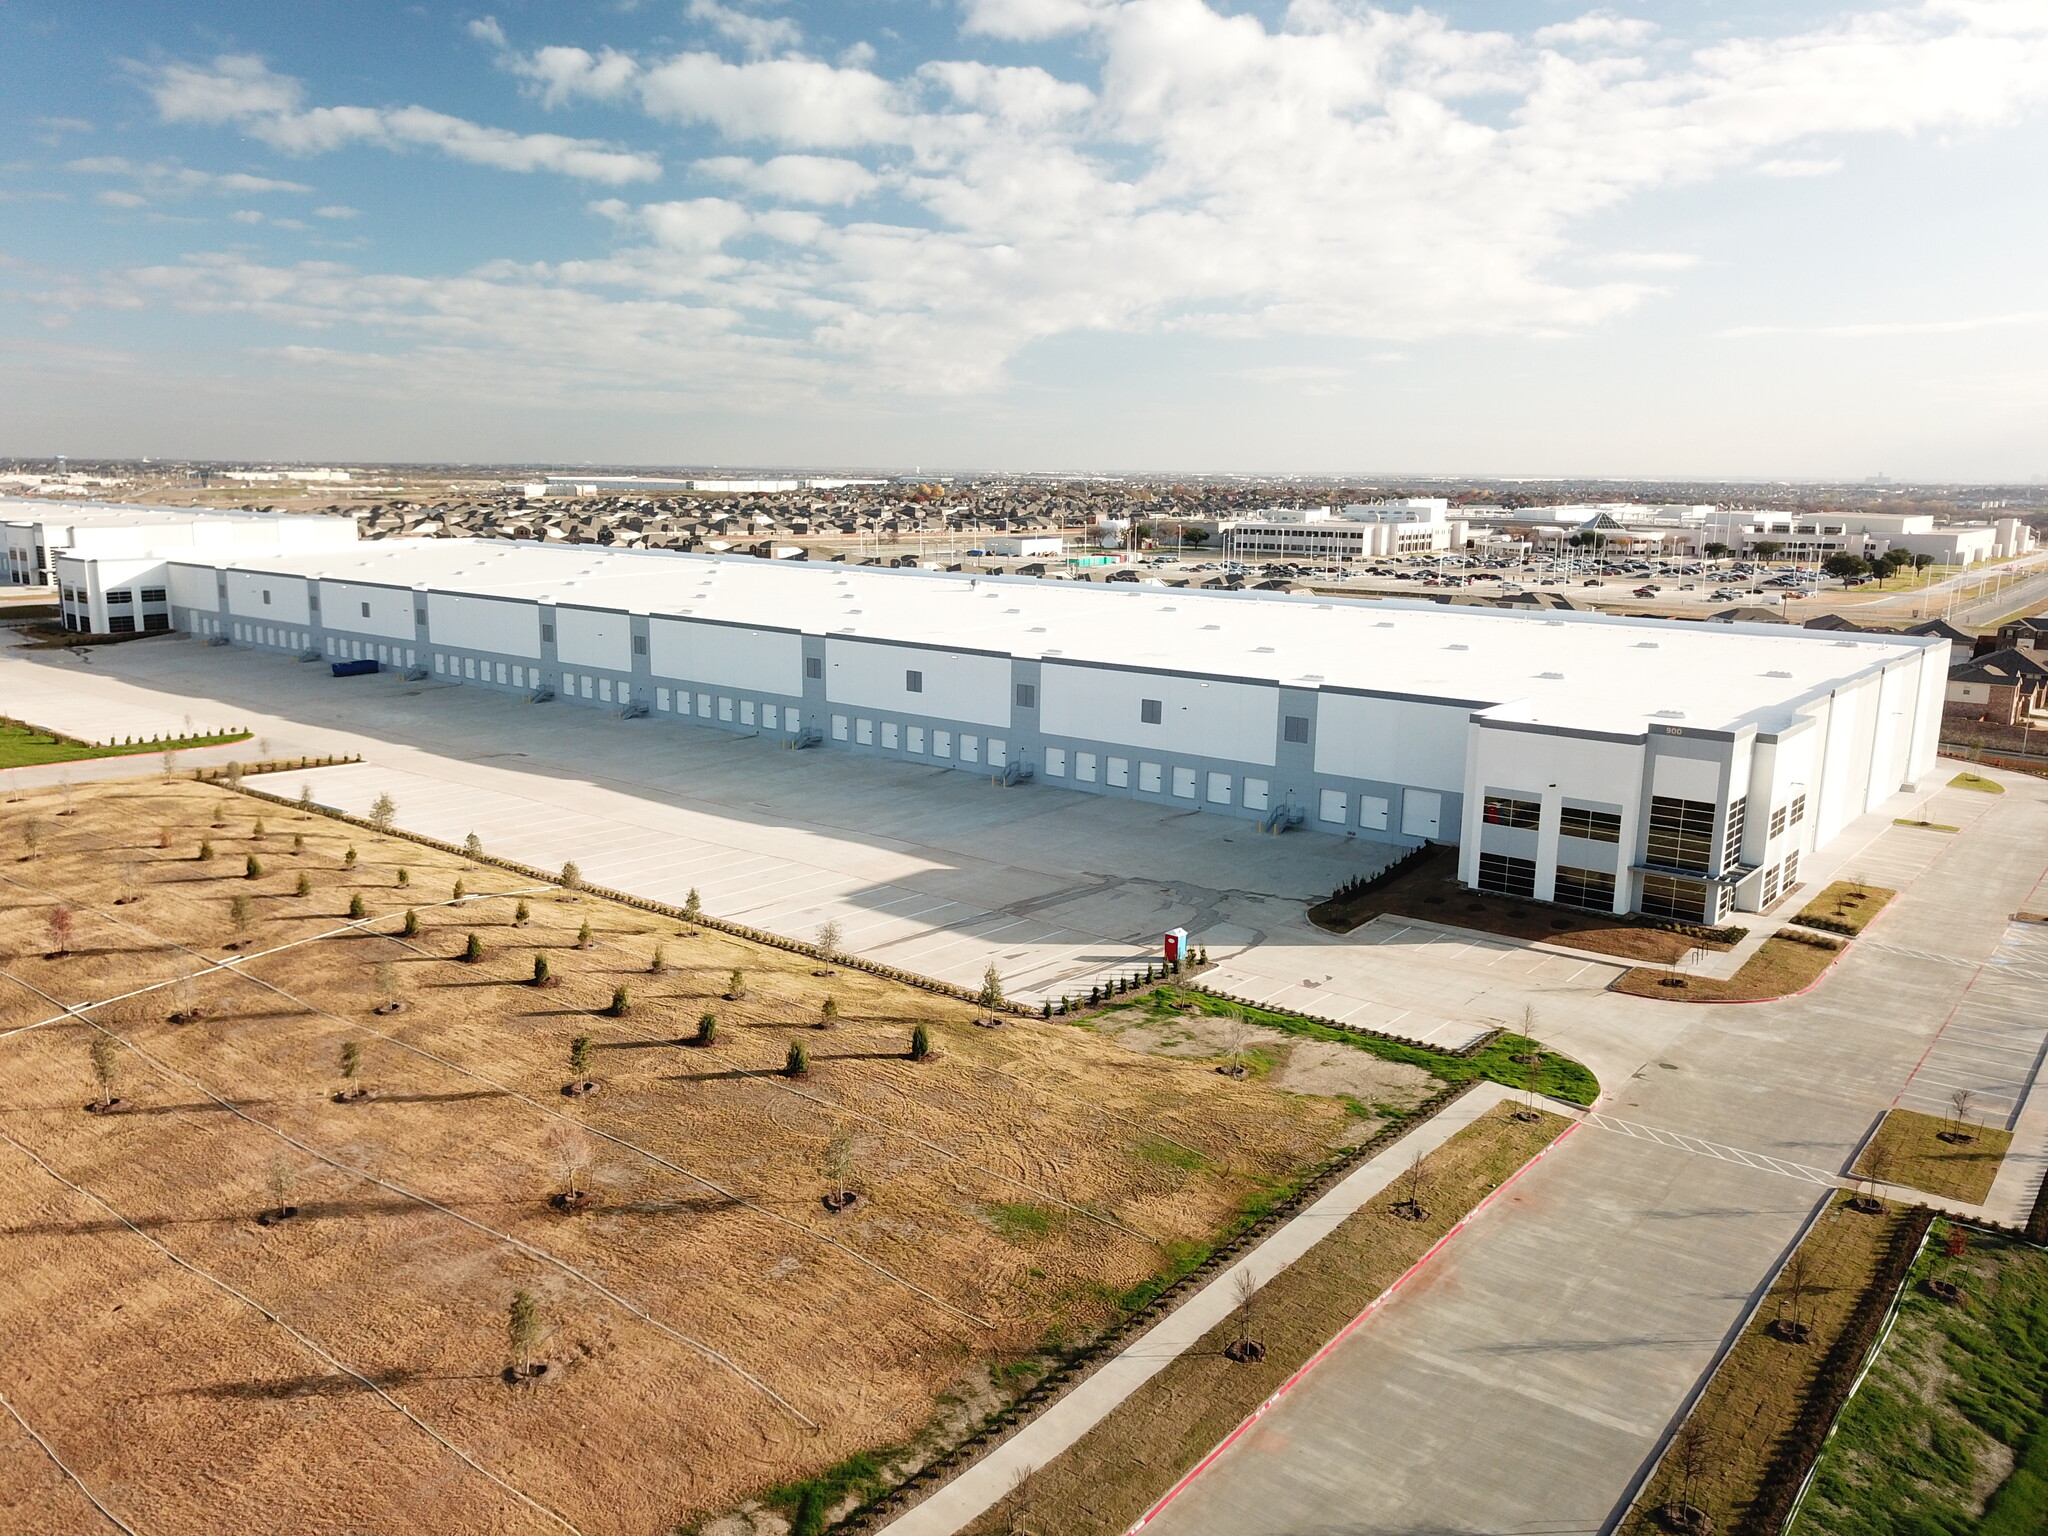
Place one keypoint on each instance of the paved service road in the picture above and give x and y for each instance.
(1529, 1376)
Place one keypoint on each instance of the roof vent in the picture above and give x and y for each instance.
(1326, 607)
(1262, 650)
(1845, 642)
(1777, 674)
(1311, 677)
(1646, 645)
(1013, 610)
(1555, 677)
(1669, 714)
(1169, 608)
(1212, 626)
(1051, 652)
(1457, 647)
(1036, 629)
(1384, 624)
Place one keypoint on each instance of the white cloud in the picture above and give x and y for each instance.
(246, 216)
(241, 89)
(115, 199)
(821, 179)
(1796, 166)
(169, 179)
(1206, 172)
(337, 211)
(1599, 29)
(1031, 20)
(759, 35)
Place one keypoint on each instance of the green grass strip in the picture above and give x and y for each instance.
(23, 746)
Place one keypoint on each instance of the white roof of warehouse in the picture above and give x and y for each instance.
(1588, 672)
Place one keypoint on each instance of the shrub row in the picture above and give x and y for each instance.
(1827, 924)
(1800, 1444)
(281, 765)
(1793, 935)
(527, 871)
(1351, 890)
(1083, 1361)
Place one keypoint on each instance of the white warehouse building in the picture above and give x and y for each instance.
(1600, 762)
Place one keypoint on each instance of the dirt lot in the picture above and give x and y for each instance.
(1377, 1089)
(710, 1329)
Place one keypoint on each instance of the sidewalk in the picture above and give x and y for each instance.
(960, 1501)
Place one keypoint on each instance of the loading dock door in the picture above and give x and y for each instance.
(1421, 809)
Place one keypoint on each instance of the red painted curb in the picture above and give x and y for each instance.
(1348, 1329)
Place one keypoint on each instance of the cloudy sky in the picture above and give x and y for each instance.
(1505, 236)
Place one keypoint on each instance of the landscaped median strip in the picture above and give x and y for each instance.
(1349, 1328)
(1294, 1256)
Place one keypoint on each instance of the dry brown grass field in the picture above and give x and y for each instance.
(710, 1328)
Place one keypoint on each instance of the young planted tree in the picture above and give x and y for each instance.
(920, 1042)
(304, 887)
(579, 1055)
(163, 837)
(838, 1170)
(543, 974)
(572, 877)
(583, 935)
(1413, 1187)
(692, 907)
(736, 985)
(828, 1014)
(305, 797)
(356, 907)
(348, 859)
(106, 1070)
(522, 1335)
(797, 1062)
(240, 911)
(1958, 1132)
(205, 850)
(991, 987)
(1237, 1037)
(473, 949)
(283, 1181)
(404, 876)
(252, 868)
(387, 986)
(257, 831)
(707, 1030)
(1244, 1348)
(621, 1003)
(1794, 1286)
(473, 846)
(61, 924)
(410, 928)
(383, 811)
(521, 915)
(828, 941)
(461, 891)
(571, 1150)
(351, 1070)
(659, 964)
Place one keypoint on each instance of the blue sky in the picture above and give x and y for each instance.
(1521, 238)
